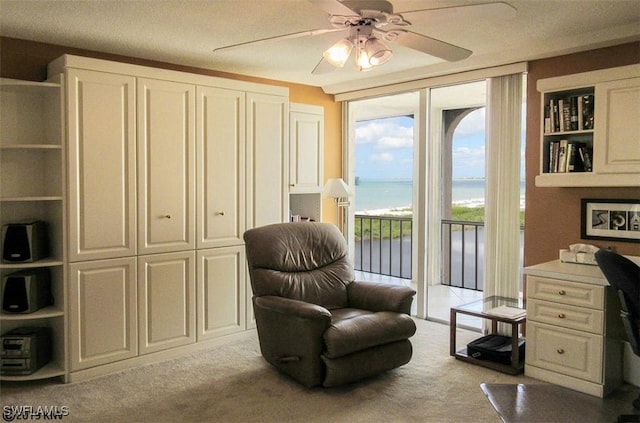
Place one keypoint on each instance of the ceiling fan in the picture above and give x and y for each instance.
(367, 23)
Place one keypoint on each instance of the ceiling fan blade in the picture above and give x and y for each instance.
(467, 13)
(334, 7)
(433, 47)
(282, 37)
(323, 67)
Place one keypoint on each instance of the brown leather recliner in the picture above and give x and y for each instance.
(315, 323)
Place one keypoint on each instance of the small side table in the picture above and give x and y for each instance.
(479, 309)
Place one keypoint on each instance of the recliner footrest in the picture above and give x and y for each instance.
(357, 333)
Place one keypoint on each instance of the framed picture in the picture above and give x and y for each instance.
(616, 220)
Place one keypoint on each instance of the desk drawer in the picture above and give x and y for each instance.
(567, 316)
(565, 351)
(565, 292)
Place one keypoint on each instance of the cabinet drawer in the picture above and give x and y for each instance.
(571, 317)
(565, 351)
(565, 292)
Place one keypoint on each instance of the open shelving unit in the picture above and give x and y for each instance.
(32, 187)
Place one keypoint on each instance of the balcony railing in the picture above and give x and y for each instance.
(462, 254)
(383, 246)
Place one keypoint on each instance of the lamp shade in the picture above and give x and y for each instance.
(338, 53)
(336, 188)
(377, 52)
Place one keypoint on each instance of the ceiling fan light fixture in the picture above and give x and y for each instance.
(363, 63)
(338, 53)
(377, 52)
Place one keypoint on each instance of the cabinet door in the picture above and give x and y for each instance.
(101, 116)
(221, 289)
(267, 168)
(221, 158)
(103, 312)
(617, 127)
(166, 166)
(166, 301)
(306, 148)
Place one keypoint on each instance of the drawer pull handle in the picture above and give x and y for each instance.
(562, 292)
(166, 216)
(220, 213)
(560, 351)
(561, 316)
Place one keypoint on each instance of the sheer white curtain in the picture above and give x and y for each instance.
(502, 156)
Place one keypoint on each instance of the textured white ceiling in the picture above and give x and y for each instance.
(186, 32)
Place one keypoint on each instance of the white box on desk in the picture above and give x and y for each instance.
(567, 256)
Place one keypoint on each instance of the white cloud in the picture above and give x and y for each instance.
(394, 142)
(384, 134)
(468, 156)
(382, 157)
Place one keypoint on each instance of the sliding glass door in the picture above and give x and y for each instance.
(454, 185)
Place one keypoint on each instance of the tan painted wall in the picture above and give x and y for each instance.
(21, 59)
(552, 217)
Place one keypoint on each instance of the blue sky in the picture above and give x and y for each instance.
(384, 148)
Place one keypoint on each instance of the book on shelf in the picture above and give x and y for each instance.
(573, 114)
(507, 311)
(570, 113)
(569, 156)
(585, 155)
(588, 102)
(562, 156)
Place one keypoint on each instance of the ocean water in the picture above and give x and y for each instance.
(387, 194)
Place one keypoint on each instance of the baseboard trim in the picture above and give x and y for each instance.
(106, 369)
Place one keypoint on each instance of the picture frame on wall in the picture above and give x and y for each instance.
(614, 220)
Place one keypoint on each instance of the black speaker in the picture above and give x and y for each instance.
(26, 291)
(25, 242)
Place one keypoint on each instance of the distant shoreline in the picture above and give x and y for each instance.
(408, 210)
(395, 196)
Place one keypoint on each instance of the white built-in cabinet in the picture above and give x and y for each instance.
(590, 122)
(32, 187)
(166, 165)
(103, 312)
(166, 300)
(267, 128)
(306, 160)
(101, 118)
(166, 170)
(221, 167)
(222, 275)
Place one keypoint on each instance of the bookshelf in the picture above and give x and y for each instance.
(32, 187)
(588, 136)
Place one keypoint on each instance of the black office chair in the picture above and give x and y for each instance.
(624, 276)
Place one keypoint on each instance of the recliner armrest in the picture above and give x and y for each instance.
(292, 307)
(380, 297)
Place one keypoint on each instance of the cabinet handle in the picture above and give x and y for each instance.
(166, 216)
(560, 351)
(561, 316)
(219, 213)
(562, 292)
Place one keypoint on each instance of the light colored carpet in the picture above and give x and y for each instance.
(232, 383)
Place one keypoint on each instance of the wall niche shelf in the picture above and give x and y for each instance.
(587, 129)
